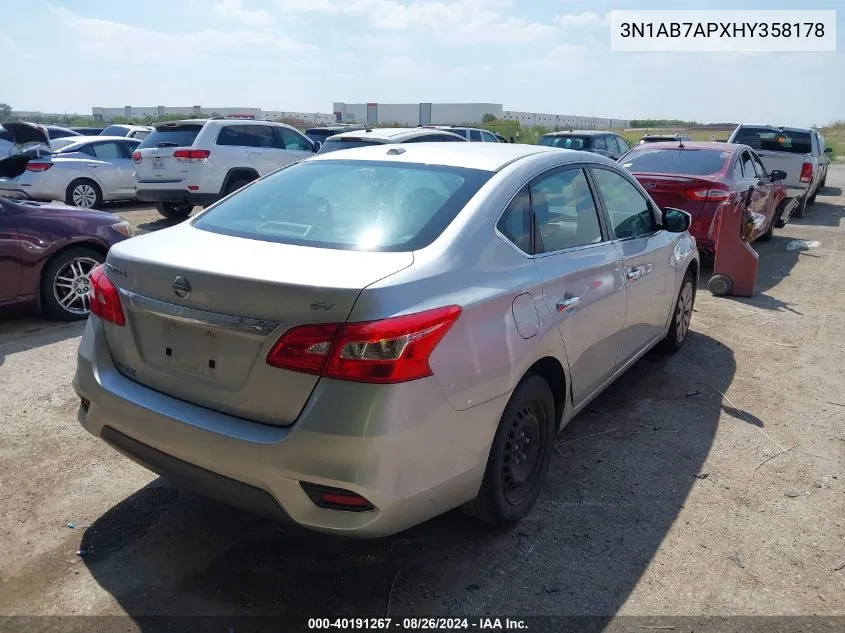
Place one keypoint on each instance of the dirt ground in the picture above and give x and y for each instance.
(708, 483)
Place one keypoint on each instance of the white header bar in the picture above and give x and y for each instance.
(723, 31)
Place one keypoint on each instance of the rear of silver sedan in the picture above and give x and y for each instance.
(232, 353)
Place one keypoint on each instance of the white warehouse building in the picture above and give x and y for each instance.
(142, 112)
(413, 114)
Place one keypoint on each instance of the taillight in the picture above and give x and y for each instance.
(136, 156)
(388, 351)
(708, 194)
(104, 297)
(191, 155)
(806, 172)
(31, 166)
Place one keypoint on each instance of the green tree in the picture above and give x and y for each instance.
(5, 112)
(488, 118)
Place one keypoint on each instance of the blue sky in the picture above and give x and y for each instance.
(538, 55)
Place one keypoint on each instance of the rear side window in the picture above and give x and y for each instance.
(181, 135)
(447, 138)
(352, 205)
(107, 150)
(767, 139)
(232, 135)
(515, 223)
(344, 143)
(692, 162)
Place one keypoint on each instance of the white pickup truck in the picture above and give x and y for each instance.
(797, 151)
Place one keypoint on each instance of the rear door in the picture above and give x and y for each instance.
(10, 259)
(582, 275)
(113, 168)
(265, 149)
(758, 190)
(230, 149)
(646, 255)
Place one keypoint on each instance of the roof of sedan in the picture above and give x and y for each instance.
(717, 145)
(484, 156)
(381, 133)
(579, 133)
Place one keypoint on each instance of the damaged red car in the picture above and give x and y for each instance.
(698, 177)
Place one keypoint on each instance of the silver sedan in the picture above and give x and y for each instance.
(85, 173)
(366, 339)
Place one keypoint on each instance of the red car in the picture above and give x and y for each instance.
(697, 177)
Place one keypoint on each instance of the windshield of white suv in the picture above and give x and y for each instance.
(352, 205)
(344, 143)
(181, 135)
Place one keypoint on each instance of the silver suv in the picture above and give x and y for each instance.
(182, 164)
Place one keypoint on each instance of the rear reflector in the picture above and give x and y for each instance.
(336, 498)
(806, 172)
(191, 155)
(37, 167)
(388, 351)
(104, 298)
(136, 156)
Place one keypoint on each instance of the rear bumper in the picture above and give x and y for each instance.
(177, 196)
(404, 448)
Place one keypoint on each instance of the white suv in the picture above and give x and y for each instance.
(182, 164)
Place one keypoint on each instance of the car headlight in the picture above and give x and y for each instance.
(124, 228)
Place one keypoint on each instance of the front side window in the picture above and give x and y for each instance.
(630, 213)
(292, 140)
(623, 146)
(348, 204)
(565, 214)
(488, 137)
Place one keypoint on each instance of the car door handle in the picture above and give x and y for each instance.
(634, 274)
(564, 305)
(93, 165)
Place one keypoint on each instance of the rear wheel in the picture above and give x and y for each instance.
(84, 193)
(799, 210)
(65, 283)
(175, 210)
(812, 199)
(681, 316)
(519, 457)
(770, 230)
(237, 184)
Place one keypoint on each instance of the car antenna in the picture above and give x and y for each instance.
(680, 143)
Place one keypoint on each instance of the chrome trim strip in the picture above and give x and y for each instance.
(198, 317)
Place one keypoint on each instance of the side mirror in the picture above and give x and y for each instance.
(777, 174)
(317, 146)
(675, 220)
(828, 150)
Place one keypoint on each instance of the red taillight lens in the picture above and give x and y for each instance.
(708, 194)
(806, 172)
(387, 351)
(336, 498)
(191, 155)
(136, 156)
(104, 298)
(304, 348)
(31, 166)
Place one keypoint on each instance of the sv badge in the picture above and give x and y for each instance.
(322, 306)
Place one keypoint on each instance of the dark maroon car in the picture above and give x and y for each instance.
(47, 252)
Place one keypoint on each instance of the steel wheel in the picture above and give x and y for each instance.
(84, 195)
(683, 312)
(521, 462)
(72, 283)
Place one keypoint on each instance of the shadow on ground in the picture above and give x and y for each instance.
(617, 482)
(23, 330)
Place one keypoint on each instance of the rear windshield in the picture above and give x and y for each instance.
(172, 136)
(346, 143)
(693, 162)
(774, 140)
(350, 205)
(565, 142)
(114, 130)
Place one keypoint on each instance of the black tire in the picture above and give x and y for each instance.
(83, 193)
(720, 285)
(799, 210)
(54, 289)
(681, 316)
(530, 414)
(236, 184)
(176, 211)
(812, 199)
(770, 230)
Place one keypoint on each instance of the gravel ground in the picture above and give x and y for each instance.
(708, 483)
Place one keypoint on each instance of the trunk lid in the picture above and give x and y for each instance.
(788, 162)
(203, 310)
(673, 191)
